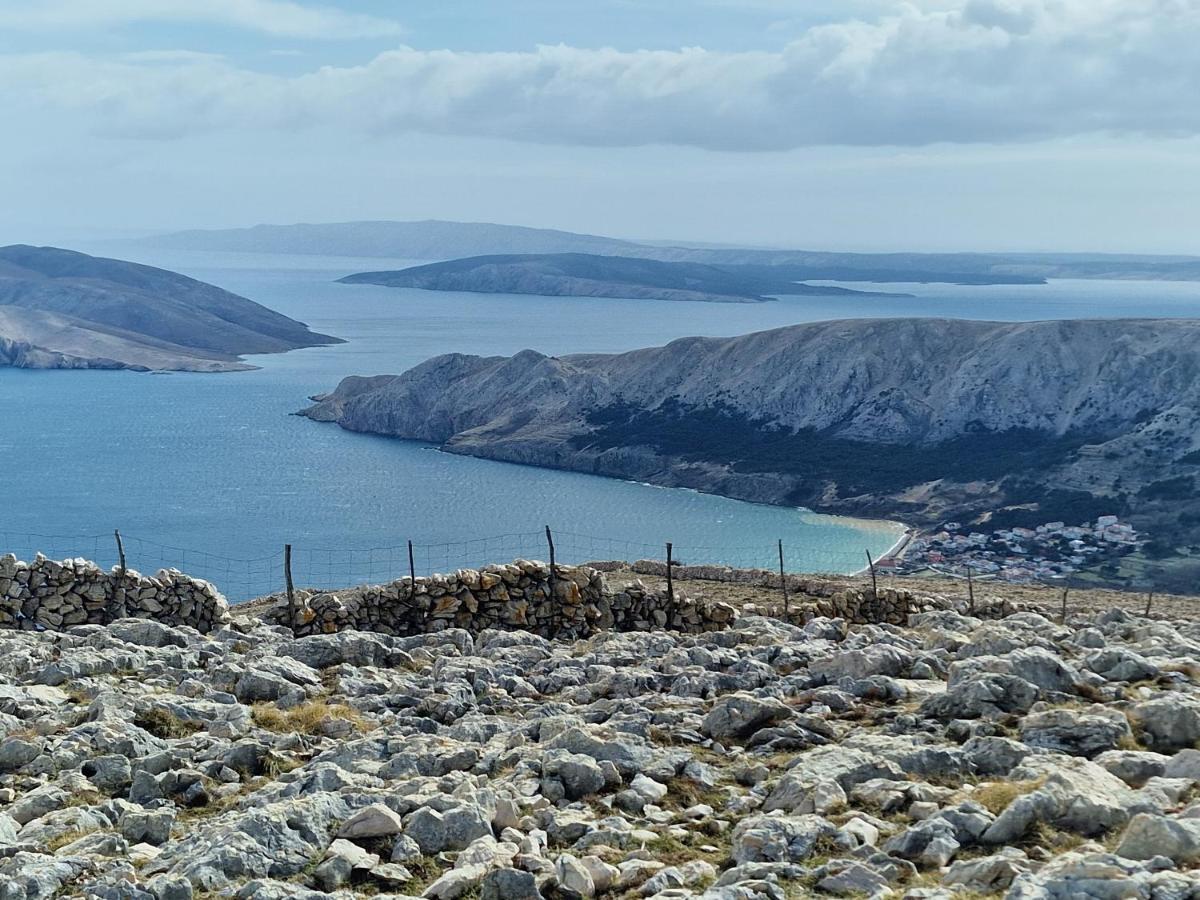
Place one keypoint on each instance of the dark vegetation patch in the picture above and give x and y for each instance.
(724, 435)
(1178, 488)
(1053, 505)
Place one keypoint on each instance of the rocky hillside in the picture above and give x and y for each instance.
(920, 419)
(61, 309)
(1014, 758)
(589, 275)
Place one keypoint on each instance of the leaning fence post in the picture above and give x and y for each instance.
(555, 613)
(1149, 600)
(412, 573)
(1064, 605)
(783, 579)
(670, 577)
(120, 552)
(874, 583)
(291, 593)
(971, 590)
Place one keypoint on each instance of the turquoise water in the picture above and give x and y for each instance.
(215, 466)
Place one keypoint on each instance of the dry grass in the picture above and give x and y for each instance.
(425, 871)
(67, 837)
(163, 723)
(309, 717)
(995, 796)
(683, 793)
(675, 851)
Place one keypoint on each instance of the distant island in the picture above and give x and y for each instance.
(60, 309)
(441, 240)
(923, 420)
(589, 275)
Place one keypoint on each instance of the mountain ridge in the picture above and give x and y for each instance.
(918, 419)
(65, 309)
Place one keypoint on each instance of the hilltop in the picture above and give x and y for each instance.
(455, 747)
(589, 275)
(63, 309)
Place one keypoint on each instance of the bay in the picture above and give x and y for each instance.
(212, 474)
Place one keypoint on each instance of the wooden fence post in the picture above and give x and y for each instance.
(120, 552)
(291, 593)
(1149, 600)
(783, 580)
(971, 591)
(1064, 605)
(874, 583)
(555, 614)
(412, 573)
(670, 576)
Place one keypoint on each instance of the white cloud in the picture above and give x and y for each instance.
(984, 71)
(281, 18)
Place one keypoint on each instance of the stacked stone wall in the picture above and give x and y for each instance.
(56, 595)
(514, 597)
(816, 595)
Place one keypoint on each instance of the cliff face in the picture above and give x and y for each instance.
(61, 309)
(912, 417)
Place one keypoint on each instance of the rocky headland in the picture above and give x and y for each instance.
(65, 310)
(1002, 754)
(917, 419)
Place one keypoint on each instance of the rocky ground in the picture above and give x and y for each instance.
(956, 757)
(1047, 598)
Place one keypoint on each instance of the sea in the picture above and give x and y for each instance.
(212, 474)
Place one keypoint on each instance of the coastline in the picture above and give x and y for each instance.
(896, 551)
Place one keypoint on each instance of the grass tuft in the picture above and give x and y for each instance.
(162, 723)
(995, 796)
(309, 717)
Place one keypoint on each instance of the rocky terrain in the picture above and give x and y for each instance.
(65, 310)
(948, 757)
(589, 275)
(917, 419)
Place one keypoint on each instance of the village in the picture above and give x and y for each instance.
(1050, 551)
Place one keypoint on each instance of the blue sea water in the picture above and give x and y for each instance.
(212, 474)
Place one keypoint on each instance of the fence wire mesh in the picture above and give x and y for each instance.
(243, 578)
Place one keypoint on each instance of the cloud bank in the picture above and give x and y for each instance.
(280, 18)
(983, 71)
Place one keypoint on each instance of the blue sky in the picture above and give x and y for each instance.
(864, 124)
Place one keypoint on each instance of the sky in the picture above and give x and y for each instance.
(943, 125)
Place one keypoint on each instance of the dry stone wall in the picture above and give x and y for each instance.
(813, 596)
(56, 595)
(513, 597)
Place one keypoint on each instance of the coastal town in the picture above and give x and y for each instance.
(1050, 551)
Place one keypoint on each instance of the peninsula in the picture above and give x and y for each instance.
(922, 420)
(590, 275)
(65, 310)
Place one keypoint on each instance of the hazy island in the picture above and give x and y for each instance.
(442, 240)
(60, 309)
(589, 275)
(917, 419)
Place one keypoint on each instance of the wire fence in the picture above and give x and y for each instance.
(243, 578)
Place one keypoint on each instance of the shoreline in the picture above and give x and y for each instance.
(896, 551)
